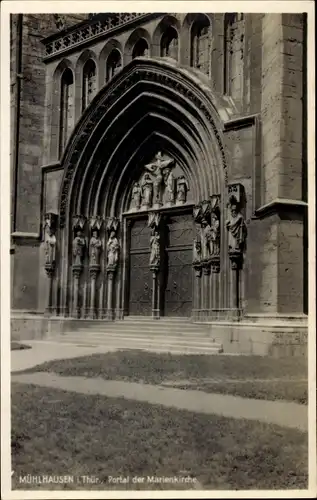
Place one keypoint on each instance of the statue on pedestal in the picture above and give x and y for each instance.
(182, 188)
(50, 248)
(170, 187)
(147, 191)
(236, 227)
(94, 249)
(215, 234)
(207, 239)
(136, 196)
(197, 251)
(79, 245)
(112, 250)
(155, 248)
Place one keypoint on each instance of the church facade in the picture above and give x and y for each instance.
(159, 169)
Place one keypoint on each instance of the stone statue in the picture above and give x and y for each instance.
(79, 246)
(215, 234)
(147, 191)
(207, 239)
(182, 188)
(197, 251)
(237, 228)
(156, 169)
(170, 188)
(136, 196)
(112, 250)
(50, 248)
(155, 248)
(94, 249)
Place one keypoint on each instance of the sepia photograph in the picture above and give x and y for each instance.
(158, 179)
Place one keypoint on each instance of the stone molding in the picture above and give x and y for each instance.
(281, 205)
(144, 72)
(91, 31)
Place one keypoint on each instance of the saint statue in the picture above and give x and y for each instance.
(79, 245)
(155, 248)
(197, 251)
(182, 188)
(207, 239)
(170, 187)
(215, 234)
(94, 249)
(136, 196)
(147, 190)
(112, 250)
(50, 248)
(156, 169)
(237, 228)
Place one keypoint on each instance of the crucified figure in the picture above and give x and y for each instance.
(156, 168)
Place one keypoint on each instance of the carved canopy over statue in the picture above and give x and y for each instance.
(158, 185)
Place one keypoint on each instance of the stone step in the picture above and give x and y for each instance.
(157, 339)
(143, 344)
(145, 332)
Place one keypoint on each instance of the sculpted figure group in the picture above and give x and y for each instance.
(159, 186)
(94, 249)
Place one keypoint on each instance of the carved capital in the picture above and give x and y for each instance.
(50, 269)
(236, 258)
(215, 264)
(77, 270)
(111, 271)
(94, 271)
(206, 265)
(155, 269)
(198, 269)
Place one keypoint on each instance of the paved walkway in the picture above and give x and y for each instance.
(282, 413)
(44, 350)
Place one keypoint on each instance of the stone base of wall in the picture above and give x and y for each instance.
(270, 338)
(263, 336)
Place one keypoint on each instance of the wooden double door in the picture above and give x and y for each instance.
(175, 274)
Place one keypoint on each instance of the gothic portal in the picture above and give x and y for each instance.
(157, 171)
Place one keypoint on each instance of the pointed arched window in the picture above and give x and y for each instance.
(141, 48)
(233, 54)
(66, 107)
(201, 44)
(114, 64)
(169, 43)
(89, 83)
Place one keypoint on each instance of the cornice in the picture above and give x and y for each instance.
(281, 206)
(91, 31)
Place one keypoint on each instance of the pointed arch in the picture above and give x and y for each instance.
(139, 36)
(57, 144)
(110, 46)
(150, 105)
(167, 31)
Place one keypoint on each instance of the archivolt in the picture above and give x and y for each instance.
(150, 104)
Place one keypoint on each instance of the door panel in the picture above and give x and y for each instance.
(178, 292)
(177, 266)
(140, 285)
(140, 276)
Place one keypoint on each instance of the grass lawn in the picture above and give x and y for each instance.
(247, 376)
(57, 433)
